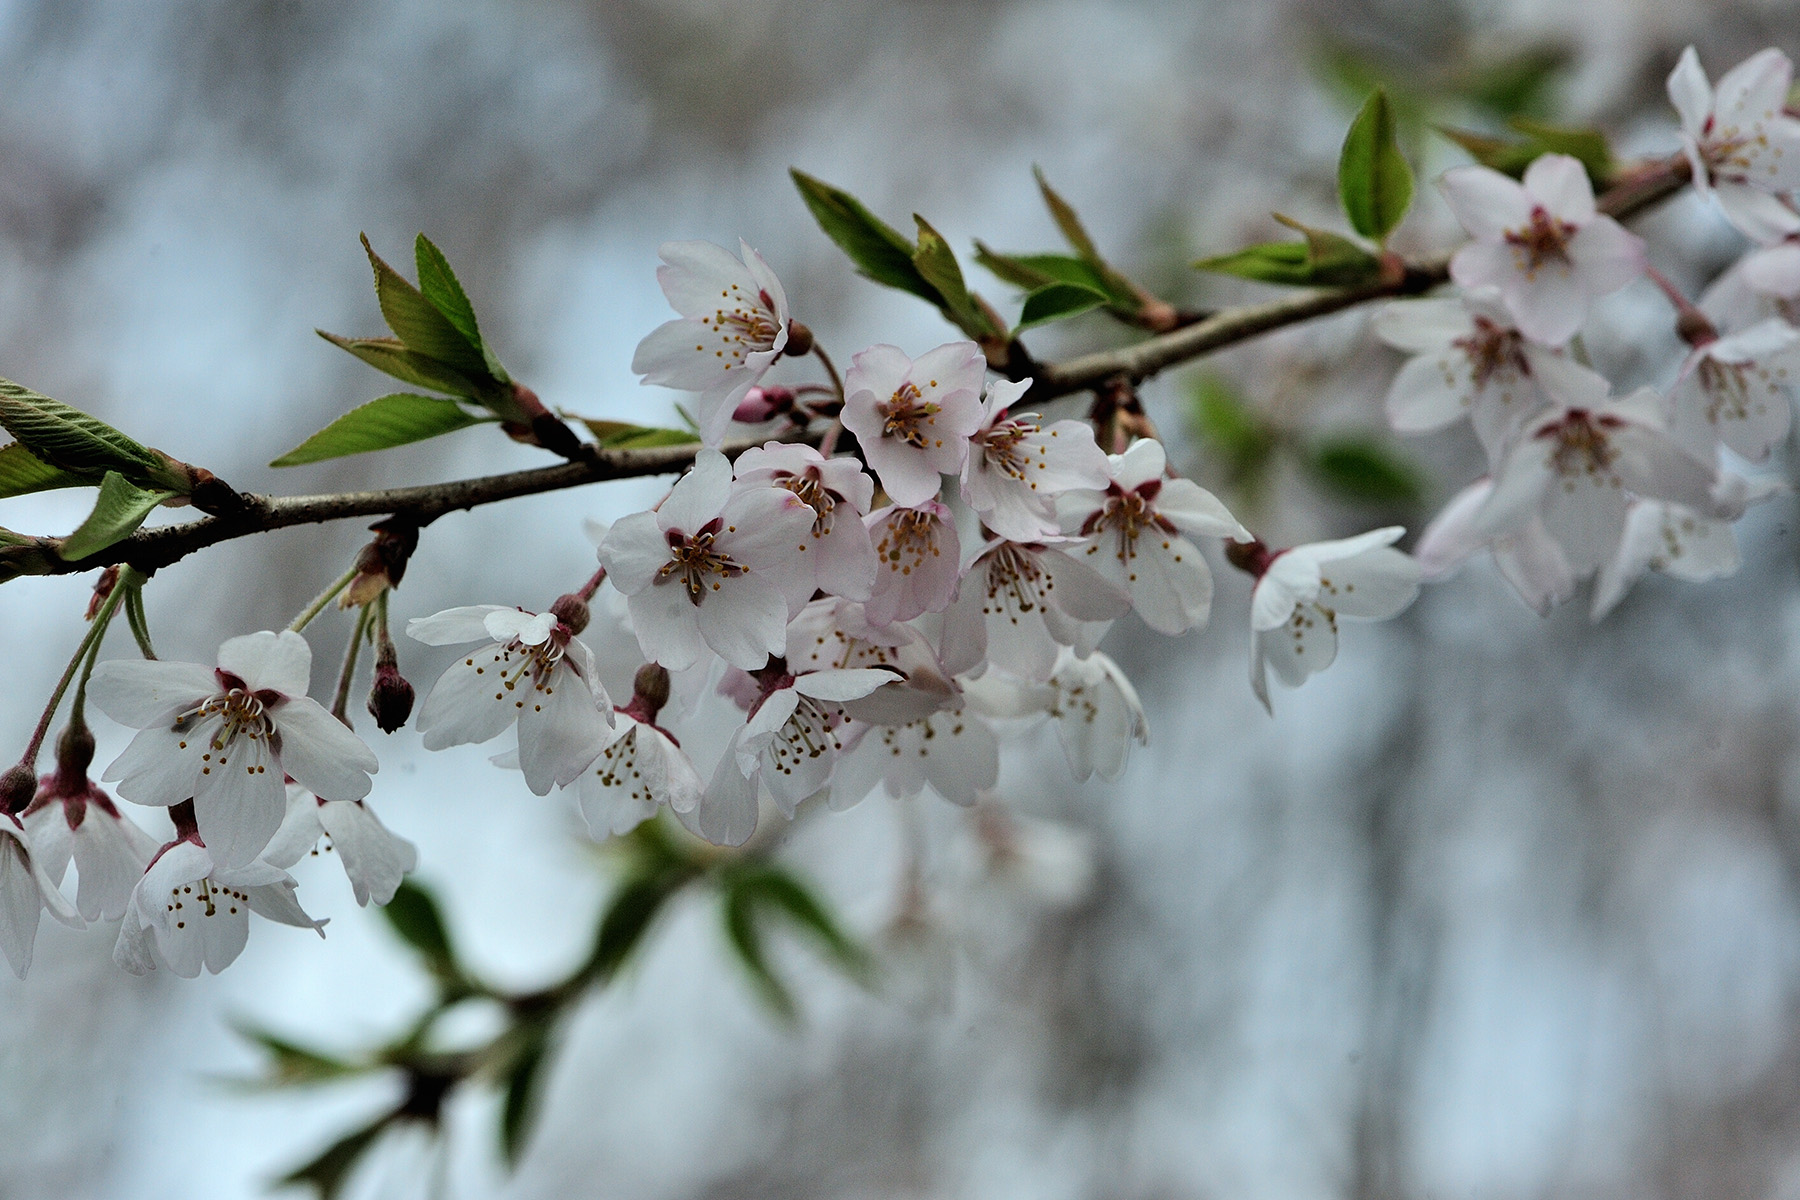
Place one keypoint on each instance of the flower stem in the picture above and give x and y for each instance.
(90, 645)
(321, 600)
(340, 704)
(592, 585)
(837, 381)
(135, 616)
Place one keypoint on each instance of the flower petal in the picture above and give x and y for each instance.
(277, 662)
(321, 753)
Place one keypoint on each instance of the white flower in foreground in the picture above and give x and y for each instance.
(109, 852)
(918, 561)
(839, 558)
(1541, 243)
(374, 858)
(733, 326)
(1734, 391)
(1301, 593)
(913, 418)
(1469, 360)
(534, 672)
(642, 768)
(187, 913)
(1018, 602)
(226, 737)
(25, 892)
(1095, 709)
(1744, 148)
(701, 571)
(1017, 465)
(1134, 534)
(1528, 558)
(1676, 541)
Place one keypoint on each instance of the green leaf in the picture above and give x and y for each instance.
(519, 1105)
(937, 263)
(1518, 84)
(389, 356)
(419, 325)
(1124, 295)
(1058, 302)
(878, 250)
(22, 472)
(439, 285)
(380, 424)
(1323, 259)
(119, 509)
(622, 435)
(414, 915)
(291, 1064)
(782, 890)
(1362, 470)
(746, 940)
(633, 907)
(66, 437)
(1375, 184)
(330, 1171)
(1511, 156)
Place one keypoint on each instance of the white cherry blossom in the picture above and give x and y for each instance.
(1093, 706)
(109, 851)
(1135, 535)
(25, 892)
(1468, 360)
(1300, 593)
(1017, 465)
(187, 912)
(702, 571)
(831, 633)
(918, 559)
(839, 558)
(1673, 540)
(1528, 558)
(1735, 390)
(951, 751)
(225, 738)
(375, 859)
(641, 768)
(1019, 601)
(1744, 148)
(533, 673)
(1541, 243)
(733, 326)
(913, 418)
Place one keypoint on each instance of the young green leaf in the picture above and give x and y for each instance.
(1375, 184)
(380, 424)
(629, 915)
(390, 357)
(22, 472)
(1120, 289)
(622, 435)
(1364, 471)
(414, 915)
(291, 1064)
(1057, 302)
(68, 438)
(1323, 260)
(1230, 428)
(520, 1104)
(780, 889)
(742, 931)
(1511, 156)
(329, 1173)
(419, 325)
(119, 509)
(878, 250)
(937, 263)
(439, 285)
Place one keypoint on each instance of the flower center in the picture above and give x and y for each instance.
(1545, 240)
(1492, 351)
(906, 415)
(1726, 388)
(908, 540)
(1583, 447)
(821, 499)
(695, 564)
(1016, 582)
(1003, 448)
(203, 898)
(1131, 514)
(241, 712)
(746, 326)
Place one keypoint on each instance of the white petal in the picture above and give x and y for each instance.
(161, 765)
(1306, 644)
(726, 814)
(561, 729)
(1560, 183)
(239, 801)
(1485, 202)
(1290, 580)
(278, 662)
(1422, 326)
(374, 858)
(1690, 93)
(744, 621)
(1374, 585)
(1197, 512)
(452, 626)
(321, 753)
(1532, 561)
(633, 552)
(140, 693)
(697, 497)
(468, 703)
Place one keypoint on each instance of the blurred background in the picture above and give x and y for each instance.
(1497, 907)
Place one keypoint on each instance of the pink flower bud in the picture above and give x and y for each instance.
(17, 786)
(391, 697)
(763, 404)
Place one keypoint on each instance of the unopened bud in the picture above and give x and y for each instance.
(74, 751)
(800, 340)
(103, 588)
(572, 611)
(1252, 558)
(391, 697)
(649, 691)
(764, 404)
(1694, 328)
(17, 786)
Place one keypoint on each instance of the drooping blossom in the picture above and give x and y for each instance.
(642, 767)
(1673, 540)
(187, 912)
(1018, 465)
(838, 558)
(1468, 360)
(1735, 391)
(913, 418)
(226, 737)
(25, 892)
(1744, 148)
(701, 571)
(1541, 243)
(375, 859)
(918, 560)
(73, 819)
(1136, 531)
(1093, 706)
(1528, 558)
(953, 751)
(1019, 602)
(534, 672)
(733, 326)
(831, 633)
(1300, 593)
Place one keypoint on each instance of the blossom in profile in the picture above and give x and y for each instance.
(25, 892)
(375, 859)
(1093, 706)
(1744, 147)
(1528, 558)
(1019, 602)
(227, 737)
(913, 417)
(733, 326)
(1540, 243)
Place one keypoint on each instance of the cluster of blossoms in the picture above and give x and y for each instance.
(802, 624)
(1583, 483)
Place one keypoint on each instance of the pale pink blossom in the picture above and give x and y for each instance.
(951, 751)
(1735, 391)
(1528, 558)
(640, 769)
(831, 633)
(1744, 148)
(1019, 602)
(702, 571)
(80, 824)
(1092, 705)
(1673, 540)
(918, 559)
(733, 326)
(838, 558)
(1541, 243)
(1018, 465)
(913, 418)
